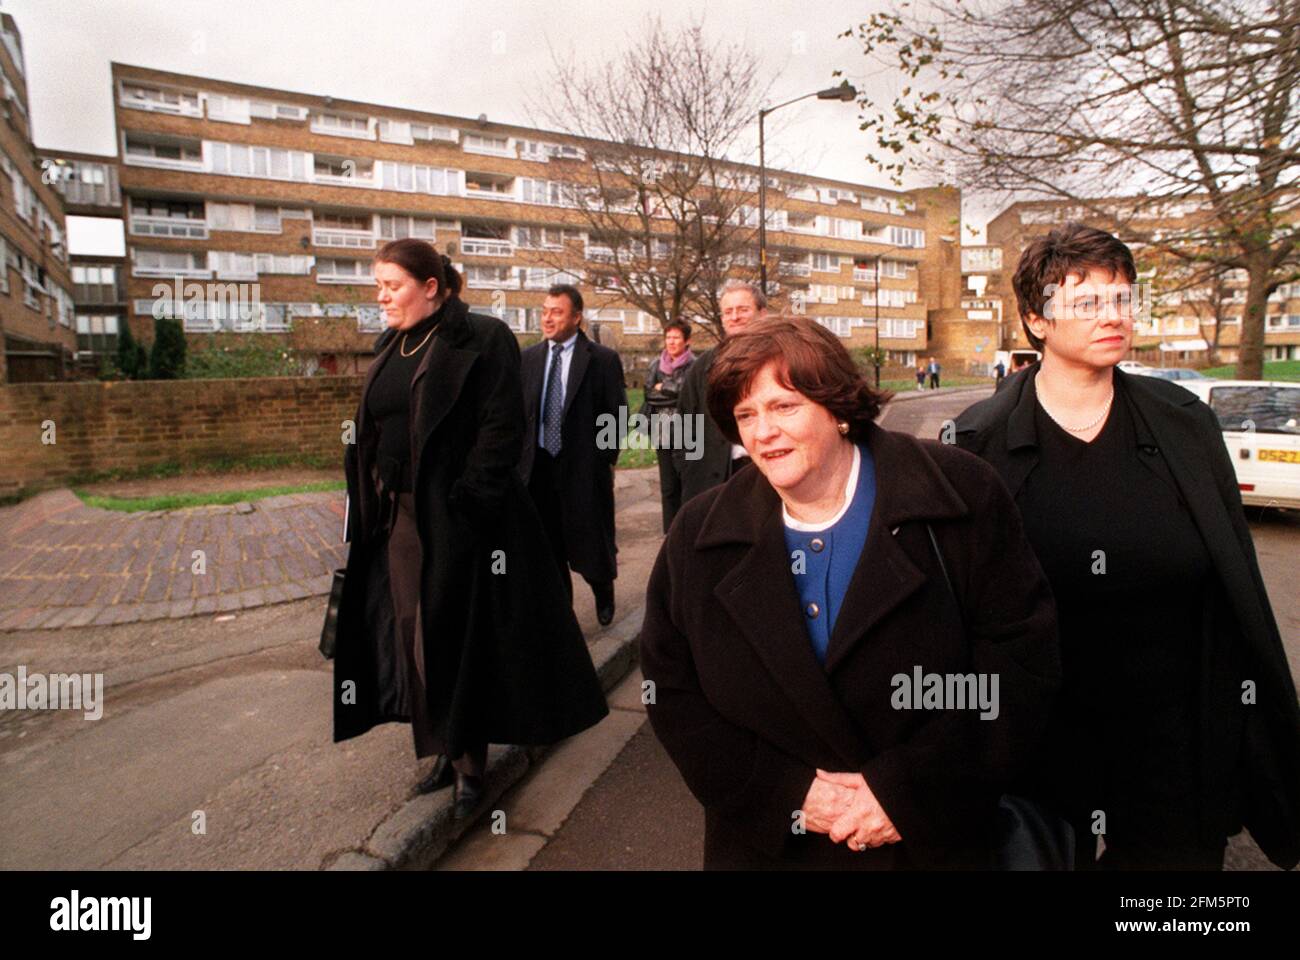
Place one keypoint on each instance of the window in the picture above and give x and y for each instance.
(96, 333)
(899, 329)
(492, 146)
(542, 151)
(550, 192)
(895, 269)
(329, 270)
(340, 125)
(840, 326)
(4, 266)
(246, 161)
(395, 131)
(489, 278)
(399, 227)
(419, 179)
(295, 264)
(229, 109)
(826, 262)
(432, 131)
(266, 219)
(166, 263)
(1272, 409)
(232, 266)
(906, 237)
(160, 100)
(539, 238)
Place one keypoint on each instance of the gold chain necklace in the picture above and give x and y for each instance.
(402, 348)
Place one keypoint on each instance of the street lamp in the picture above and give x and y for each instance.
(875, 361)
(844, 92)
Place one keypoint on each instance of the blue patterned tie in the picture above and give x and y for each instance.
(552, 407)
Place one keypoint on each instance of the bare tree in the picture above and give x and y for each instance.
(667, 212)
(1127, 109)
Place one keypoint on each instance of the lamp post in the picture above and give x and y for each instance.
(844, 92)
(876, 355)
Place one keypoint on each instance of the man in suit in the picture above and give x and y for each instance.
(573, 390)
(741, 303)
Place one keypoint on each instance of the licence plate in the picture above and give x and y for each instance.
(1278, 456)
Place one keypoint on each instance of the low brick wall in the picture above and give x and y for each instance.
(128, 425)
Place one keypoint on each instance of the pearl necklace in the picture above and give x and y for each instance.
(1100, 417)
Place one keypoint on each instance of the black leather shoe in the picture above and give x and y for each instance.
(441, 776)
(604, 603)
(469, 793)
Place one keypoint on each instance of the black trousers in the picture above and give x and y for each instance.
(545, 489)
(404, 580)
(670, 486)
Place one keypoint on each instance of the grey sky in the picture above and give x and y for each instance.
(454, 57)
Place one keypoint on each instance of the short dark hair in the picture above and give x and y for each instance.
(809, 358)
(567, 290)
(681, 326)
(1065, 251)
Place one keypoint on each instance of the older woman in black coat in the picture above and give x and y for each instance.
(453, 617)
(1177, 721)
(850, 646)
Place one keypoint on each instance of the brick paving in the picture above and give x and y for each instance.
(64, 564)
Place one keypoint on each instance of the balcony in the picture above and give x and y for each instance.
(487, 149)
(981, 259)
(491, 278)
(864, 276)
(796, 269)
(185, 273)
(169, 227)
(194, 165)
(330, 237)
(600, 253)
(344, 179)
(481, 247)
(186, 105)
(332, 127)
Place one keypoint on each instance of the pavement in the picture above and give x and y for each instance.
(214, 750)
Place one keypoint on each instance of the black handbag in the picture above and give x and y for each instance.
(329, 631)
(1030, 837)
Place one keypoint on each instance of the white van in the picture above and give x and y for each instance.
(1261, 428)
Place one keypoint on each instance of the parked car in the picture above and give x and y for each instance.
(1261, 428)
(1132, 366)
(1170, 373)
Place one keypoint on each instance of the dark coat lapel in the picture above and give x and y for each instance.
(577, 370)
(447, 366)
(1176, 435)
(909, 487)
(532, 363)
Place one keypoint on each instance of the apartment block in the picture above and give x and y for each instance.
(228, 188)
(36, 302)
(1184, 324)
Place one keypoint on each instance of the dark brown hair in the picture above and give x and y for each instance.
(1073, 249)
(809, 358)
(681, 326)
(421, 260)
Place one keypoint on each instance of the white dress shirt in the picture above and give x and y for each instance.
(566, 358)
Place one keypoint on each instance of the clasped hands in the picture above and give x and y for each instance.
(842, 806)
